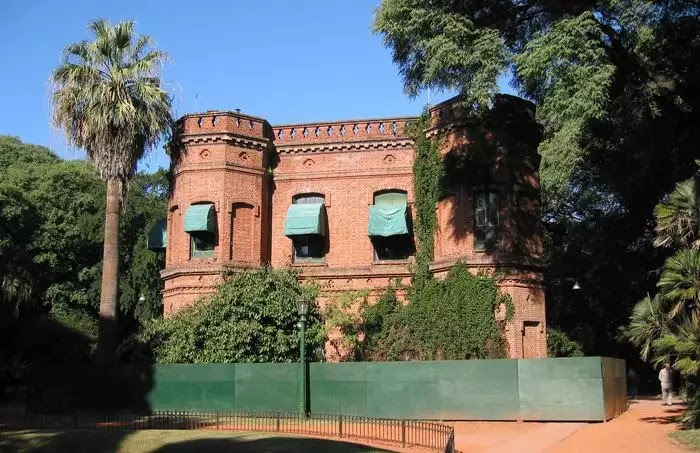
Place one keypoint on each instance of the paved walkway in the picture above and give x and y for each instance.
(643, 428)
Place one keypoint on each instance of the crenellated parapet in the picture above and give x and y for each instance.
(337, 135)
(224, 122)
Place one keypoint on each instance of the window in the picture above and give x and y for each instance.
(202, 244)
(310, 247)
(390, 226)
(200, 224)
(486, 221)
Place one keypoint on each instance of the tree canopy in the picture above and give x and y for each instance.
(614, 84)
(600, 71)
(51, 220)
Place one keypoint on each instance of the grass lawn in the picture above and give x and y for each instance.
(689, 437)
(166, 441)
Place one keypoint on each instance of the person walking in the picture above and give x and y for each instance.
(666, 380)
(632, 383)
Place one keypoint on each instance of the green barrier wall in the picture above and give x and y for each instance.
(584, 389)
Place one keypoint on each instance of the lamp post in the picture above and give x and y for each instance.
(302, 308)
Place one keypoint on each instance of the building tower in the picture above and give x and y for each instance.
(219, 209)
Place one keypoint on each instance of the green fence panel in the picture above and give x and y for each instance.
(267, 386)
(614, 387)
(193, 387)
(566, 389)
(583, 389)
(338, 388)
(443, 390)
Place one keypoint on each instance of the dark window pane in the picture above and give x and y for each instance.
(392, 247)
(202, 244)
(309, 247)
(493, 209)
(486, 220)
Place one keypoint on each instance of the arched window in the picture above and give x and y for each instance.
(486, 220)
(390, 226)
(200, 224)
(306, 227)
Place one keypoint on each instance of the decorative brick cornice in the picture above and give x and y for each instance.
(201, 290)
(231, 139)
(354, 273)
(191, 269)
(345, 147)
(348, 174)
(227, 166)
(499, 262)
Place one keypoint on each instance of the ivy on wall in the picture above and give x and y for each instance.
(428, 174)
(447, 319)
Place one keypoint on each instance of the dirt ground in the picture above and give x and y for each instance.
(643, 428)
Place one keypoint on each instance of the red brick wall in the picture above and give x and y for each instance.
(225, 160)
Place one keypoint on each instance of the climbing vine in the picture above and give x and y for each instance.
(428, 176)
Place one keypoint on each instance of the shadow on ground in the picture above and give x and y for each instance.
(270, 444)
(128, 441)
(670, 414)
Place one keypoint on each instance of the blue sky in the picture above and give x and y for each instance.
(286, 61)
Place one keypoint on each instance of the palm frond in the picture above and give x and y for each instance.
(107, 98)
(680, 282)
(677, 217)
(648, 323)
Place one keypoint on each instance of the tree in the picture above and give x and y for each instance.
(251, 318)
(560, 345)
(17, 218)
(666, 328)
(107, 99)
(601, 73)
(614, 85)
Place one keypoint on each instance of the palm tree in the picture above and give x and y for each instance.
(680, 283)
(677, 218)
(108, 100)
(648, 323)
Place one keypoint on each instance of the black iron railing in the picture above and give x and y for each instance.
(404, 433)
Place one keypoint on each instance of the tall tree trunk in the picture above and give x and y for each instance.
(106, 342)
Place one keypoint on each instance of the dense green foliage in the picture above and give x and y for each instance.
(666, 327)
(590, 66)
(560, 345)
(251, 318)
(446, 319)
(615, 86)
(428, 175)
(51, 228)
(355, 327)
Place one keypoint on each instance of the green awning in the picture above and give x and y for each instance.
(200, 218)
(305, 219)
(388, 220)
(158, 236)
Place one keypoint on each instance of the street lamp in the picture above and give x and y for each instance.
(302, 308)
(576, 285)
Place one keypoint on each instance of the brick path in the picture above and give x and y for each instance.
(643, 428)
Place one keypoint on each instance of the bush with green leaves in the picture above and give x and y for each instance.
(560, 345)
(450, 319)
(251, 318)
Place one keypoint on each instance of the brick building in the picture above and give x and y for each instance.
(334, 199)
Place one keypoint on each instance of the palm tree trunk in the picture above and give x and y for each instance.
(106, 342)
